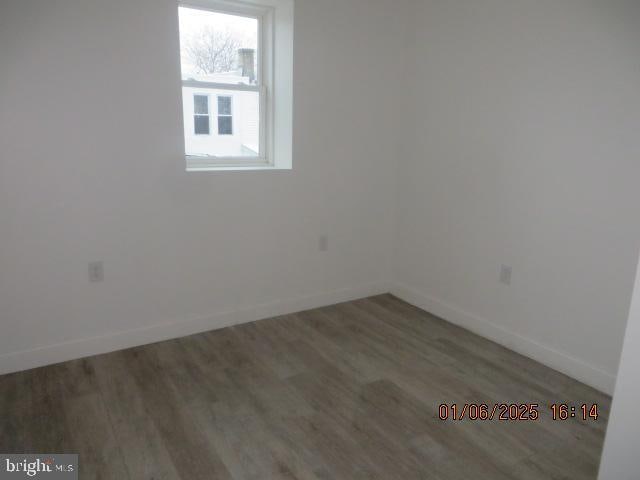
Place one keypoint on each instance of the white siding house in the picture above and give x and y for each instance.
(225, 121)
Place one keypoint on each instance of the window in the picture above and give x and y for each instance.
(225, 115)
(201, 115)
(236, 57)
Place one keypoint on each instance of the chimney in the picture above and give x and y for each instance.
(246, 59)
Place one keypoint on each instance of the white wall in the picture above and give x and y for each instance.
(509, 136)
(92, 168)
(526, 154)
(620, 456)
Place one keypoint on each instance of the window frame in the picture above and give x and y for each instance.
(230, 115)
(208, 114)
(264, 84)
(277, 68)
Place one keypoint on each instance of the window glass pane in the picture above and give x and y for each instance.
(218, 47)
(201, 124)
(201, 104)
(225, 125)
(224, 106)
(236, 135)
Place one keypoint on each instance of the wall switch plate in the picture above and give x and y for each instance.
(96, 272)
(505, 274)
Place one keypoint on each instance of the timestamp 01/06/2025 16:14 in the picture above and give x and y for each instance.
(517, 411)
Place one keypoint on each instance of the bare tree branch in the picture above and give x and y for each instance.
(212, 51)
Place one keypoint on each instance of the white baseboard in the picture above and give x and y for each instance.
(74, 349)
(573, 367)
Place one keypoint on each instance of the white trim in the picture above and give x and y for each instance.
(61, 352)
(227, 7)
(50, 354)
(265, 17)
(237, 168)
(235, 87)
(197, 163)
(275, 83)
(563, 362)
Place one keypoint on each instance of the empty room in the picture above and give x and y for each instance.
(320, 239)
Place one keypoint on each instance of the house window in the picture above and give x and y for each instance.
(225, 115)
(201, 115)
(238, 55)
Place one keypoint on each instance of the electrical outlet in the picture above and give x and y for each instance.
(323, 243)
(505, 274)
(96, 272)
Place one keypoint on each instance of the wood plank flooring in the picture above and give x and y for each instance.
(348, 392)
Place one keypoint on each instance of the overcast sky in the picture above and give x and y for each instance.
(193, 21)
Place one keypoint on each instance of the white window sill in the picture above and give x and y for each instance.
(236, 168)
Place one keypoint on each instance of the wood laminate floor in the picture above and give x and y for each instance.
(344, 392)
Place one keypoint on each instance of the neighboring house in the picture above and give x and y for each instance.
(219, 122)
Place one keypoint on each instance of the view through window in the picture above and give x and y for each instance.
(221, 84)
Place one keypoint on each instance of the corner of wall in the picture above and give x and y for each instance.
(560, 361)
